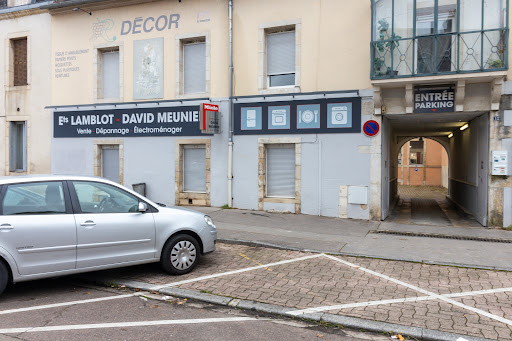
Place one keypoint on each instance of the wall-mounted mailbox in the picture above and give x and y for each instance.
(358, 195)
(500, 162)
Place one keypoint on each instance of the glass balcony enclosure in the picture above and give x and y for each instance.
(430, 37)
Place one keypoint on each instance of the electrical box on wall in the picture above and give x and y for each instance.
(500, 162)
(358, 195)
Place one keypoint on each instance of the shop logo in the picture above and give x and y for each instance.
(203, 17)
(101, 28)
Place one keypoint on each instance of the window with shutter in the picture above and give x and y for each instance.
(110, 162)
(110, 74)
(17, 147)
(194, 68)
(281, 58)
(280, 181)
(19, 47)
(194, 168)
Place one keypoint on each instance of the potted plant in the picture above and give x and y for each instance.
(387, 41)
(495, 64)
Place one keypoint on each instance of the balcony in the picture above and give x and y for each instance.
(5, 4)
(413, 38)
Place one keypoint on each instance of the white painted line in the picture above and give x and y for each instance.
(158, 287)
(63, 304)
(396, 300)
(124, 325)
(423, 291)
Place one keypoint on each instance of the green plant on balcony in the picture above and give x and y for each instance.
(386, 42)
(495, 64)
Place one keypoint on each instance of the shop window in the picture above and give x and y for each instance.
(194, 66)
(18, 146)
(194, 168)
(108, 76)
(280, 51)
(19, 61)
(108, 160)
(416, 152)
(280, 175)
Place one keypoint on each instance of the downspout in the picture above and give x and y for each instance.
(231, 111)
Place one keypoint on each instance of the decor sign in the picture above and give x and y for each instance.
(321, 116)
(172, 121)
(434, 100)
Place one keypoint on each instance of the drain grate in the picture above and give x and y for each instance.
(444, 236)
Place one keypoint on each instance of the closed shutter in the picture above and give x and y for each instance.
(17, 146)
(194, 169)
(281, 53)
(194, 68)
(110, 74)
(110, 163)
(19, 47)
(281, 171)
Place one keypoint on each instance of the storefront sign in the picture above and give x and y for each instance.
(209, 118)
(321, 116)
(171, 121)
(434, 100)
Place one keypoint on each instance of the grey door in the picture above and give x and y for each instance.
(110, 230)
(35, 228)
(110, 163)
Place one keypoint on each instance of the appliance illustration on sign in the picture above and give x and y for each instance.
(308, 116)
(342, 115)
(279, 117)
(171, 121)
(251, 118)
(434, 100)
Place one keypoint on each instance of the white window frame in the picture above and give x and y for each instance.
(263, 77)
(269, 75)
(180, 41)
(98, 74)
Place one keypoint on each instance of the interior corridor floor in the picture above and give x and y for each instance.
(427, 205)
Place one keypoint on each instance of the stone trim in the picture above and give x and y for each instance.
(97, 86)
(264, 29)
(180, 40)
(98, 145)
(262, 171)
(189, 198)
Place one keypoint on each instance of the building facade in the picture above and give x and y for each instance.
(295, 86)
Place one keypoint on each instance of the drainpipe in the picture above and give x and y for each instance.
(231, 111)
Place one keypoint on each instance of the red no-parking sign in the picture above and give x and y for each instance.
(371, 128)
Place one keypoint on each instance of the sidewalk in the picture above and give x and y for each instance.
(470, 247)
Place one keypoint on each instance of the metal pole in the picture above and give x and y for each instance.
(231, 111)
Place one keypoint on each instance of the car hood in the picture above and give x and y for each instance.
(180, 210)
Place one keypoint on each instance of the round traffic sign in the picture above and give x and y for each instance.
(371, 128)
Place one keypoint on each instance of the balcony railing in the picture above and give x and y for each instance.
(449, 53)
(4, 4)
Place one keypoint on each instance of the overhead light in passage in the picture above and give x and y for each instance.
(464, 127)
(450, 135)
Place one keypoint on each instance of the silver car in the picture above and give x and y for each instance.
(60, 225)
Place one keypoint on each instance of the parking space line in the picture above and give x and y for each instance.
(426, 292)
(63, 304)
(125, 324)
(393, 301)
(192, 280)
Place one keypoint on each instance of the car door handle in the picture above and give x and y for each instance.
(88, 223)
(6, 227)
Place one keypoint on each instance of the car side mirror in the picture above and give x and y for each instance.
(143, 207)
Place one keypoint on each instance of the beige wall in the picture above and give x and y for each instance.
(27, 103)
(73, 31)
(334, 43)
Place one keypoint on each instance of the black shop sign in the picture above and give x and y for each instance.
(434, 100)
(171, 121)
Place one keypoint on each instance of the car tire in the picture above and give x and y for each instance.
(4, 276)
(180, 254)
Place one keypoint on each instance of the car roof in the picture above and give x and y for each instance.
(43, 177)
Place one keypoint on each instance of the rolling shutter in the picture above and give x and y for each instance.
(281, 171)
(281, 53)
(194, 169)
(110, 74)
(194, 68)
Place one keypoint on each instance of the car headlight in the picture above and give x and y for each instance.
(209, 221)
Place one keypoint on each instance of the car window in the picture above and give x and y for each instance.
(34, 198)
(95, 197)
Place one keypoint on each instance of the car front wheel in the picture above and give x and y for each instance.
(180, 254)
(4, 276)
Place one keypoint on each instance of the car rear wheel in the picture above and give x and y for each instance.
(180, 254)
(4, 276)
